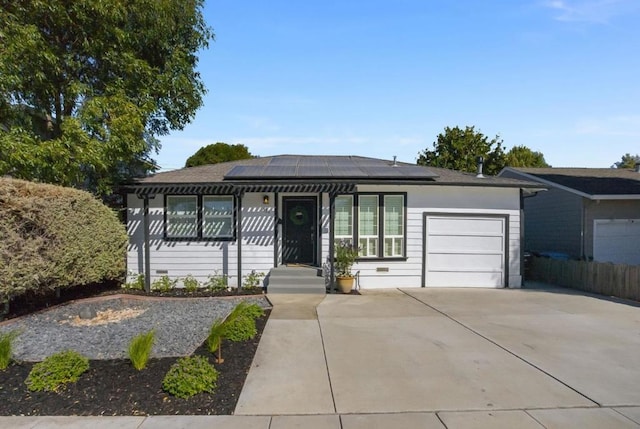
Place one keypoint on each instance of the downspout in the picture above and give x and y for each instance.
(582, 231)
(332, 214)
(239, 196)
(522, 271)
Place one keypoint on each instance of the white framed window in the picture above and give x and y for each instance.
(217, 216)
(368, 225)
(393, 226)
(182, 216)
(343, 222)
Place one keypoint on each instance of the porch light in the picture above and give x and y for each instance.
(265, 199)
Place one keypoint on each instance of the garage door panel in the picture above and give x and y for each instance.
(617, 241)
(479, 262)
(465, 279)
(466, 226)
(456, 243)
(465, 251)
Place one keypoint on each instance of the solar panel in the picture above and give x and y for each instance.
(352, 171)
(284, 160)
(416, 172)
(245, 171)
(315, 161)
(314, 171)
(282, 171)
(386, 171)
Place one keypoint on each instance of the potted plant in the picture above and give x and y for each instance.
(346, 254)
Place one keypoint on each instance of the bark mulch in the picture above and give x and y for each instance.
(114, 387)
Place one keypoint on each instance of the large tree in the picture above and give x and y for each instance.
(522, 156)
(87, 86)
(458, 149)
(219, 152)
(627, 161)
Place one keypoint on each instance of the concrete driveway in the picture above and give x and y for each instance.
(451, 358)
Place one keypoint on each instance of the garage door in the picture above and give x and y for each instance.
(464, 251)
(617, 240)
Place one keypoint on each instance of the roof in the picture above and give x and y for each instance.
(312, 168)
(593, 183)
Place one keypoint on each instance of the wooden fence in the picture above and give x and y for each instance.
(605, 278)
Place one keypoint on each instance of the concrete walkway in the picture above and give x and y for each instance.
(421, 358)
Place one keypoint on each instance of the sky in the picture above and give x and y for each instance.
(383, 78)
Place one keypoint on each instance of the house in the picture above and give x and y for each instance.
(415, 226)
(587, 213)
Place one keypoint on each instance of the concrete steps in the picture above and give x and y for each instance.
(296, 279)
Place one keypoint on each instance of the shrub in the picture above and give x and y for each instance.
(191, 284)
(57, 370)
(55, 237)
(217, 282)
(252, 280)
(190, 376)
(140, 349)
(6, 348)
(136, 284)
(163, 284)
(240, 325)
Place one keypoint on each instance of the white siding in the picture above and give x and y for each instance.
(177, 259)
(203, 258)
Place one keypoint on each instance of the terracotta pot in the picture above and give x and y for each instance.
(345, 284)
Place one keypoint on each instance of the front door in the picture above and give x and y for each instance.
(299, 230)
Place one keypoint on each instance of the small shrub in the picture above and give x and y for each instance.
(253, 280)
(217, 282)
(163, 284)
(57, 370)
(190, 376)
(191, 284)
(254, 311)
(140, 349)
(241, 329)
(6, 348)
(136, 284)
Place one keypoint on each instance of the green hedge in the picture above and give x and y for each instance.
(55, 237)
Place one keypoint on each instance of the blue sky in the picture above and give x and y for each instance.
(383, 78)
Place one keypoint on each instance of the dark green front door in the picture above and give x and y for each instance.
(299, 230)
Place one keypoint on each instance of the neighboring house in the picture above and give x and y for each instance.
(587, 213)
(415, 226)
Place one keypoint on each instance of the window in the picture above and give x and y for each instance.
(344, 218)
(377, 224)
(199, 217)
(393, 225)
(182, 216)
(368, 225)
(217, 216)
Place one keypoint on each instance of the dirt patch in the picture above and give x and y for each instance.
(105, 317)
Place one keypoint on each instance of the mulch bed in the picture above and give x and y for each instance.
(114, 387)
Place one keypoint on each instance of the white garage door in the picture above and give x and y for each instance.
(617, 240)
(464, 251)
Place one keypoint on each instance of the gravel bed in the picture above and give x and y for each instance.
(181, 325)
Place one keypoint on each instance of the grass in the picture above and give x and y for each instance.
(6, 348)
(140, 349)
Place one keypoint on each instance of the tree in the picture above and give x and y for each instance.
(627, 161)
(522, 156)
(219, 152)
(86, 87)
(458, 149)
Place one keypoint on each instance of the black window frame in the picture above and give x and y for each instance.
(200, 216)
(356, 225)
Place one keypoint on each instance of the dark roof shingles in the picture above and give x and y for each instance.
(591, 181)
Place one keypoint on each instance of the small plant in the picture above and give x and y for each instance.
(190, 376)
(6, 348)
(240, 325)
(217, 282)
(214, 340)
(140, 349)
(191, 284)
(136, 284)
(252, 280)
(57, 370)
(346, 255)
(164, 284)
